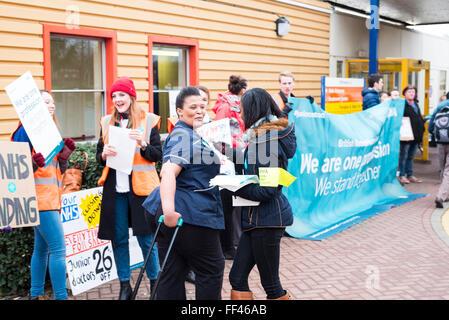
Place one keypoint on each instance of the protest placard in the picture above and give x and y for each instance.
(216, 131)
(18, 203)
(34, 116)
(89, 260)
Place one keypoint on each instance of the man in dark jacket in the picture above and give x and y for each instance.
(371, 94)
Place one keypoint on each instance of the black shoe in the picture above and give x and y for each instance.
(438, 203)
(190, 277)
(125, 291)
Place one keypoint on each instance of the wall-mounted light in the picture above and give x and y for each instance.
(282, 26)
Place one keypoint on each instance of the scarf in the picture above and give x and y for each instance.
(249, 133)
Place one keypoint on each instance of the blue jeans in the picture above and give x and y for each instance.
(407, 152)
(49, 249)
(120, 244)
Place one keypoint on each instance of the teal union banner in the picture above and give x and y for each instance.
(345, 166)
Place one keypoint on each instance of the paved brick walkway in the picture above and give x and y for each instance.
(394, 255)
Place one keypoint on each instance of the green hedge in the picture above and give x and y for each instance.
(93, 170)
(16, 248)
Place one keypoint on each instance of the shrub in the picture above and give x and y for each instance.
(93, 170)
(16, 248)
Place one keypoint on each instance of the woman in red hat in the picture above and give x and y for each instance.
(123, 194)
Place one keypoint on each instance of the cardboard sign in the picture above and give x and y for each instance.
(18, 202)
(89, 260)
(216, 131)
(34, 116)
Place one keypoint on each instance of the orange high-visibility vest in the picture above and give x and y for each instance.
(48, 184)
(171, 123)
(277, 98)
(144, 177)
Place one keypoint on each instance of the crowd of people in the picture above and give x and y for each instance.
(373, 95)
(213, 229)
(438, 129)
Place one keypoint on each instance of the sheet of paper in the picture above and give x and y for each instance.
(34, 116)
(272, 177)
(172, 94)
(406, 132)
(125, 147)
(242, 202)
(233, 182)
(226, 166)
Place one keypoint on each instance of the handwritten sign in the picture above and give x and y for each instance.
(34, 116)
(18, 202)
(89, 260)
(216, 131)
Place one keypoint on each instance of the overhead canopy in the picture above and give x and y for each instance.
(409, 12)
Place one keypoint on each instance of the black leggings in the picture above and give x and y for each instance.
(261, 247)
(195, 248)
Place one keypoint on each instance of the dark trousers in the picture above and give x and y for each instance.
(259, 247)
(227, 235)
(197, 249)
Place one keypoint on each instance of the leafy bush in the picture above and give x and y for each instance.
(78, 160)
(16, 248)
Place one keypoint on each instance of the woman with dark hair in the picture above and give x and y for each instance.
(228, 106)
(271, 142)
(408, 149)
(188, 165)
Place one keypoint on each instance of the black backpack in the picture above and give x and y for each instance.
(441, 126)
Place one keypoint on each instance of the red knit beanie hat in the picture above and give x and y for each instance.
(124, 84)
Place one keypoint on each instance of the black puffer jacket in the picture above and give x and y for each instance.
(273, 145)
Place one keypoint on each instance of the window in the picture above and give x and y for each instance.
(78, 85)
(442, 82)
(173, 64)
(170, 75)
(339, 69)
(79, 66)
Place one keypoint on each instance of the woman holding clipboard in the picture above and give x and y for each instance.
(123, 194)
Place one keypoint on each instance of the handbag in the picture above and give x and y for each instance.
(72, 178)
